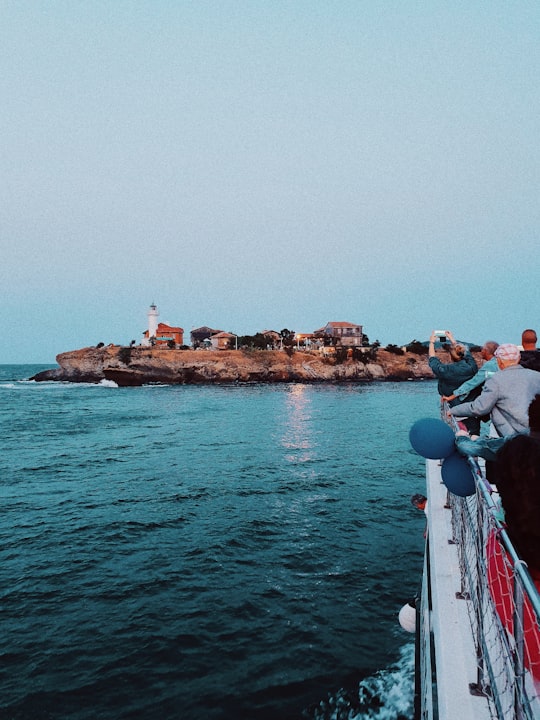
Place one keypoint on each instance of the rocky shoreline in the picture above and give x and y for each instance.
(135, 366)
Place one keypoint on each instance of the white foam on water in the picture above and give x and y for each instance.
(394, 686)
(108, 383)
(387, 695)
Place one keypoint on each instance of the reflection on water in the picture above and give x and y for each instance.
(298, 431)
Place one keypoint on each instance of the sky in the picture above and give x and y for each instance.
(254, 165)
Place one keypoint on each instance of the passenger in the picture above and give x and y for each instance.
(506, 395)
(518, 464)
(471, 389)
(519, 488)
(488, 447)
(451, 375)
(419, 502)
(489, 367)
(530, 355)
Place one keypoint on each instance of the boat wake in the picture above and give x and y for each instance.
(387, 695)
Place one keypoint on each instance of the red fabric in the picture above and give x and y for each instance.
(500, 574)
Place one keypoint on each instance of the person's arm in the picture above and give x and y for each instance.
(488, 369)
(484, 447)
(466, 387)
(462, 410)
(450, 337)
(433, 361)
(431, 350)
(483, 404)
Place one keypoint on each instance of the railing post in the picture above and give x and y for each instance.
(519, 638)
(478, 529)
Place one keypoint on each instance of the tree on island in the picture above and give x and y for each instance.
(254, 342)
(417, 348)
(287, 340)
(124, 355)
(394, 349)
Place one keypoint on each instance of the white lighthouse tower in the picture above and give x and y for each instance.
(152, 321)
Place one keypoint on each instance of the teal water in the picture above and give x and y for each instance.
(207, 552)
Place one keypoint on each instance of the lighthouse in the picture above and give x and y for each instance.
(152, 321)
(161, 333)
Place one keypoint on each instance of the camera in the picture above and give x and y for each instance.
(440, 334)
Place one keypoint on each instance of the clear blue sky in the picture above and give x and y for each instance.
(255, 165)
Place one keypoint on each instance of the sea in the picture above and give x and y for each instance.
(208, 552)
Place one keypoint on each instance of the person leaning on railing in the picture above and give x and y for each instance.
(506, 395)
(489, 367)
(488, 447)
(471, 389)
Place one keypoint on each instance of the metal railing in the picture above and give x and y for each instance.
(503, 606)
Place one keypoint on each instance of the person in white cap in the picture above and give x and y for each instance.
(506, 395)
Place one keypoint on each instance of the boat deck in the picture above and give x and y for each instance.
(455, 654)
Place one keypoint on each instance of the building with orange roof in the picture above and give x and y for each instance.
(160, 333)
(223, 341)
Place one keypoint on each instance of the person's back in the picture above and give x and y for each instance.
(518, 483)
(462, 366)
(530, 355)
(514, 389)
(530, 359)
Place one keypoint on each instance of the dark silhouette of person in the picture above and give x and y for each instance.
(530, 355)
(518, 483)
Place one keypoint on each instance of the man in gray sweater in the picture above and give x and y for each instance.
(506, 395)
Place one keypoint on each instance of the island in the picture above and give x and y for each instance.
(138, 365)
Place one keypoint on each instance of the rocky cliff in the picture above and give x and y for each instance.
(138, 366)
